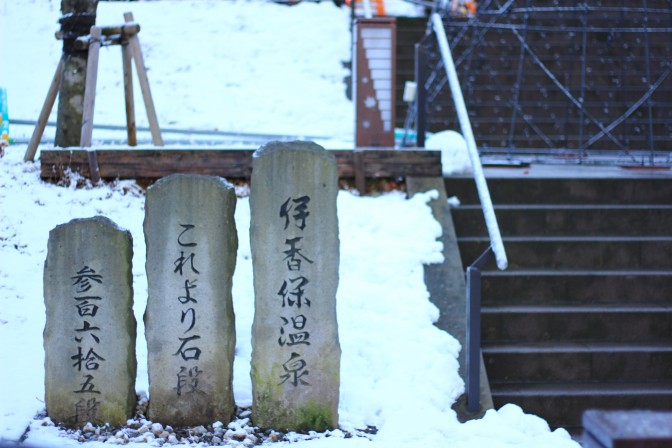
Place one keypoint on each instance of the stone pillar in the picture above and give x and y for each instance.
(89, 337)
(295, 253)
(189, 322)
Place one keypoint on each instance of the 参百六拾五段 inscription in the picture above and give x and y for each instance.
(90, 331)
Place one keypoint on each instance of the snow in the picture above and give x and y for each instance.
(243, 66)
(454, 155)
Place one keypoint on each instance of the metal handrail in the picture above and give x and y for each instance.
(473, 337)
(468, 134)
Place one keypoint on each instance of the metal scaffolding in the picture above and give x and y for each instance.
(545, 80)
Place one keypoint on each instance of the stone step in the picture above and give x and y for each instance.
(594, 252)
(627, 188)
(563, 220)
(582, 319)
(576, 323)
(563, 405)
(578, 362)
(573, 288)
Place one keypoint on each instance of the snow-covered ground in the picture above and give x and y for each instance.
(245, 66)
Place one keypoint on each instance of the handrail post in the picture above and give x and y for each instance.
(420, 95)
(496, 249)
(473, 339)
(473, 376)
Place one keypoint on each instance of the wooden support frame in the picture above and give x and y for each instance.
(48, 105)
(126, 62)
(126, 36)
(136, 52)
(90, 102)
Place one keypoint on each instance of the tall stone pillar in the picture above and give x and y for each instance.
(295, 254)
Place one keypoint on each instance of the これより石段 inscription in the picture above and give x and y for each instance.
(190, 329)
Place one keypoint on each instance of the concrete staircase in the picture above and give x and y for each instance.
(583, 317)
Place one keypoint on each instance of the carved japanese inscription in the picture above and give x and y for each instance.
(189, 322)
(295, 254)
(89, 337)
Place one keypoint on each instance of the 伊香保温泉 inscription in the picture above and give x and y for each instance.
(295, 254)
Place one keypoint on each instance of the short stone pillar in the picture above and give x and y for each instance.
(189, 322)
(89, 337)
(295, 254)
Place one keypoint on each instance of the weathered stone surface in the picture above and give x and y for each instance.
(89, 337)
(189, 322)
(295, 252)
(78, 17)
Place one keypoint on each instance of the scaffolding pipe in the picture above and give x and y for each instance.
(468, 134)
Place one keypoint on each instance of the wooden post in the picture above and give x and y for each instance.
(44, 114)
(420, 95)
(90, 100)
(126, 57)
(134, 42)
(358, 167)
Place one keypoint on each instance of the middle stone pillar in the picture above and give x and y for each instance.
(189, 322)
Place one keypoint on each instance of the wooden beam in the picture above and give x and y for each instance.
(127, 61)
(231, 163)
(127, 29)
(48, 105)
(90, 88)
(83, 42)
(134, 42)
(358, 166)
(114, 36)
(90, 102)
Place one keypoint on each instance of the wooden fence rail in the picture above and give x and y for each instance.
(231, 163)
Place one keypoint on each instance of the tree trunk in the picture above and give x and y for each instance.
(78, 16)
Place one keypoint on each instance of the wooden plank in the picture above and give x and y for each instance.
(48, 105)
(358, 166)
(126, 59)
(111, 35)
(90, 88)
(134, 42)
(90, 102)
(136, 164)
(82, 43)
(127, 29)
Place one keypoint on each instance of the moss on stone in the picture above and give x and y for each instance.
(271, 412)
(315, 417)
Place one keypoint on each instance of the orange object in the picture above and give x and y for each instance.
(472, 6)
(377, 6)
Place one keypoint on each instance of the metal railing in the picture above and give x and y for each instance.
(496, 249)
(567, 82)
